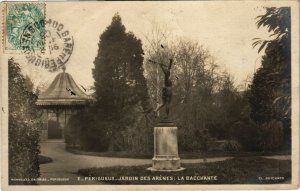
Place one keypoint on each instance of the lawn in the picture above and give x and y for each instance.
(242, 170)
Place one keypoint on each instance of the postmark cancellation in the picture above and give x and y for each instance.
(44, 42)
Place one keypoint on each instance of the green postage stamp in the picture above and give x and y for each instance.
(25, 26)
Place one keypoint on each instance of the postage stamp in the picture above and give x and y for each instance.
(44, 42)
(24, 22)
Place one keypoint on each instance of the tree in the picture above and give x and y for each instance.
(194, 76)
(196, 82)
(270, 96)
(276, 63)
(120, 85)
(24, 125)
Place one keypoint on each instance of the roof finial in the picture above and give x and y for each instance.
(64, 69)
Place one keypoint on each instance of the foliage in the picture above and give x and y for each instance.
(138, 138)
(270, 95)
(194, 93)
(261, 97)
(206, 105)
(273, 136)
(120, 91)
(230, 146)
(241, 170)
(205, 101)
(247, 133)
(86, 131)
(24, 125)
(278, 21)
(276, 63)
(226, 112)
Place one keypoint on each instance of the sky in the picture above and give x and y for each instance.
(226, 29)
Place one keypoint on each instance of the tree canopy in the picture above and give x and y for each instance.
(119, 81)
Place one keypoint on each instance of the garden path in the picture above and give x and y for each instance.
(66, 164)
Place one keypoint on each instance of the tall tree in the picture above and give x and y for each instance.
(273, 80)
(270, 95)
(119, 81)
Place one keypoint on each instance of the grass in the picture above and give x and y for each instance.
(44, 159)
(184, 155)
(242, 170)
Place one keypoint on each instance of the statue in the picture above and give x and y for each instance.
(167, 89)
(166, 156)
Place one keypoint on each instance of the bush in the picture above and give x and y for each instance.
(269, 136)
(230, 146)
(272, 138)
(86, 131)
(197, 141)
(248, 134)
(138, 138)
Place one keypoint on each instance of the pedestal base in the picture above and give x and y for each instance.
(166, 164)
(155, 170)
(166, 156)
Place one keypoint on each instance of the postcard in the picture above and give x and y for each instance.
(150, 95)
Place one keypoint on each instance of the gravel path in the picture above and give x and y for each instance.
(65, 164)
(63, 169)
(278, 157)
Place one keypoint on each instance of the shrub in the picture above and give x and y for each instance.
(272, 137)
(230, 146)
(86, 131)
(269, 136)
(248, 134)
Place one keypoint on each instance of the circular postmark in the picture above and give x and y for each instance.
(33, 36)
(57, 49)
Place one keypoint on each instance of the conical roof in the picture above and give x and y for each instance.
(63, 91)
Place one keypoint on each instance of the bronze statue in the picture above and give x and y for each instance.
(167, 89)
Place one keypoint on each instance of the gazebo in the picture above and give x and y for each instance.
(59, 102)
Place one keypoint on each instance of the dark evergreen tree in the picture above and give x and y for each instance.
(119, 81)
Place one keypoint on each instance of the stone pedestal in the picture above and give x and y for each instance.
(166, 156)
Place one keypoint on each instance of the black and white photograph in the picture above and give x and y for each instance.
(144, 95)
